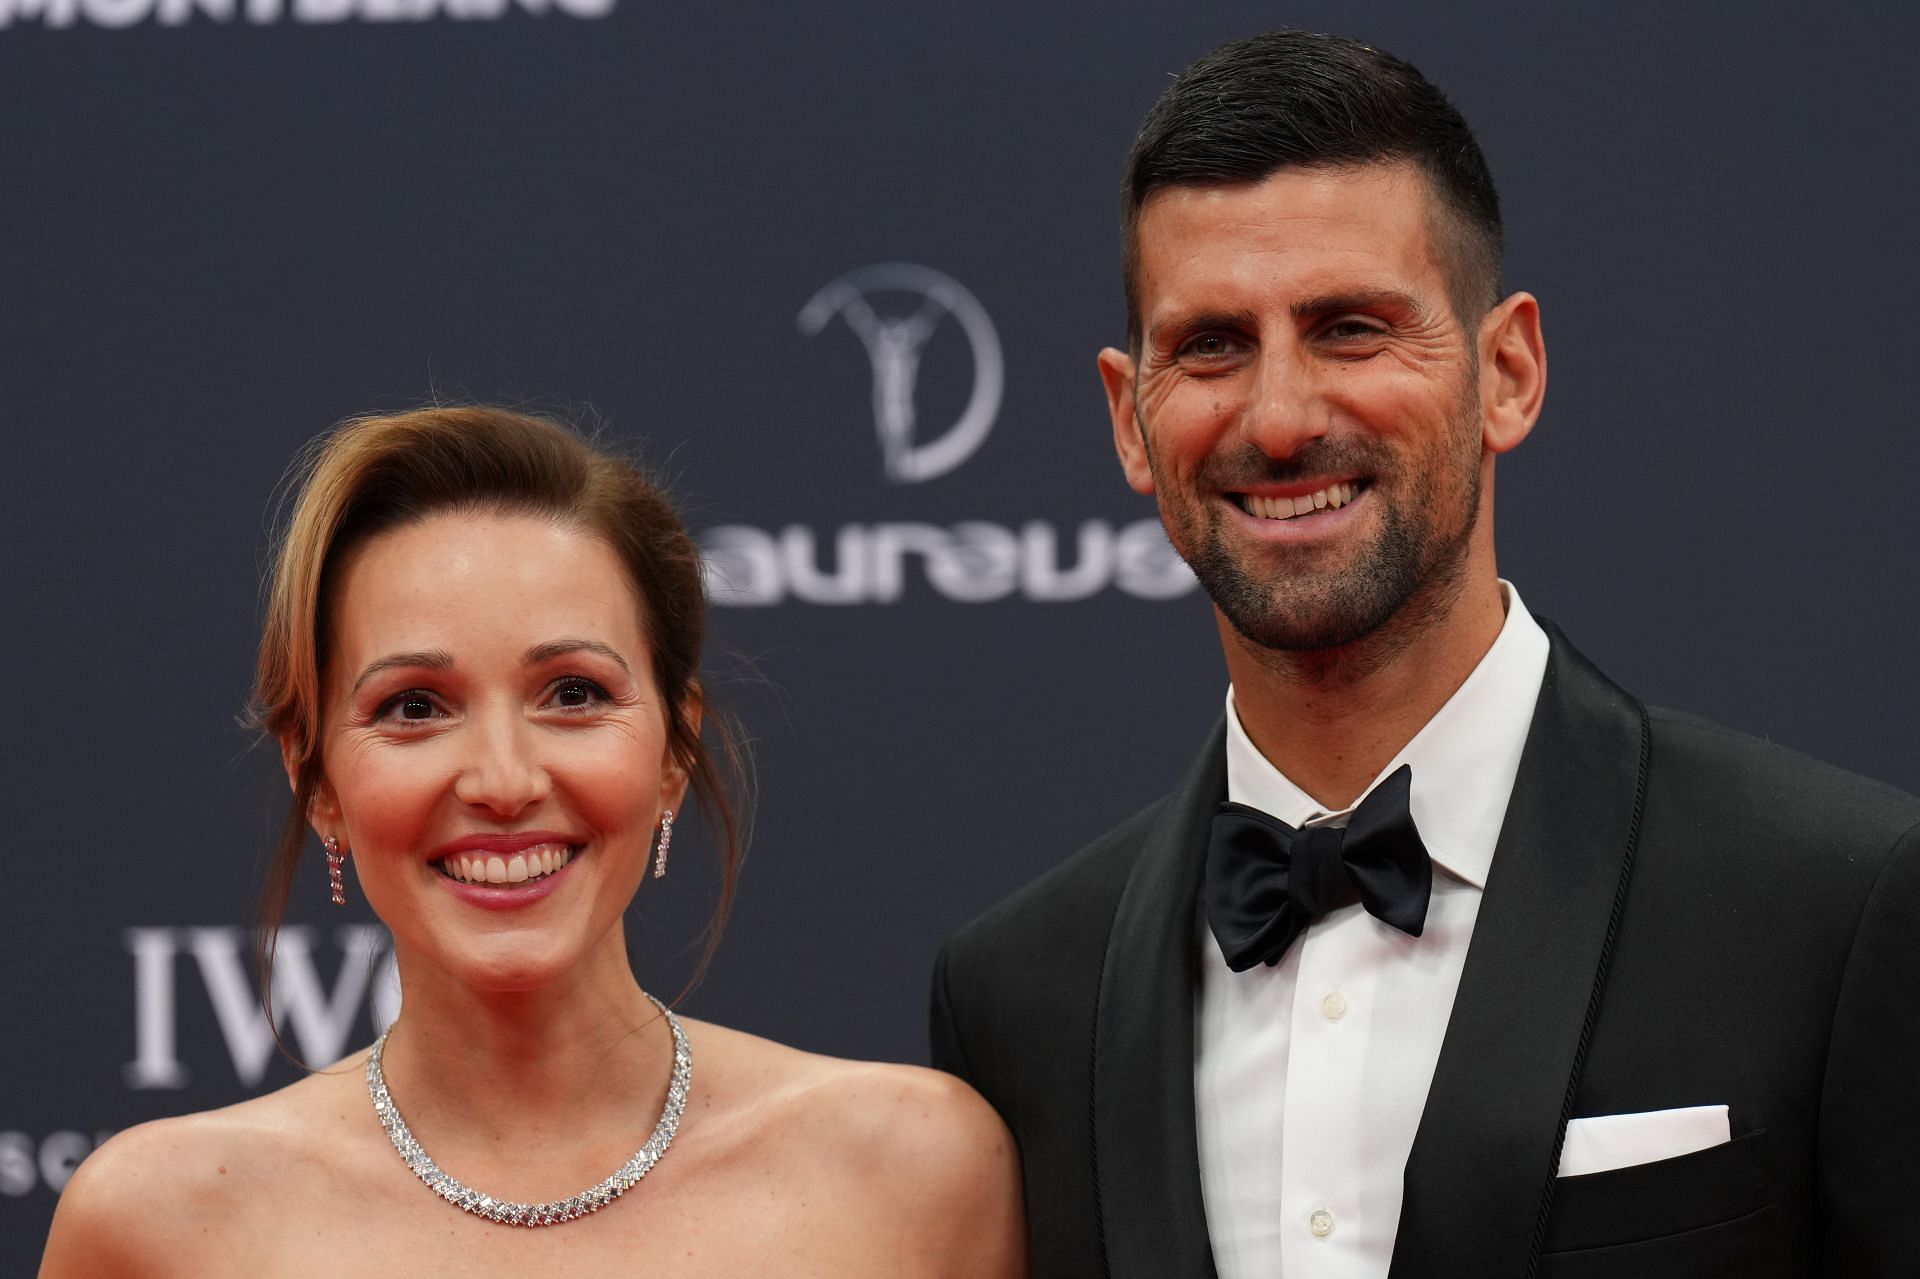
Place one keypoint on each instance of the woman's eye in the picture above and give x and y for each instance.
(573, 694)
(411, 706)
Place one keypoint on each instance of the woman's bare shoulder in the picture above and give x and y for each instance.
(907, 1112)
(916, 1148)
(792, 1085)
(158, 1198)
(932, 1157)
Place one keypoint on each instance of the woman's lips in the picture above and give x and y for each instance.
(473, 866)
(503, 842)
(509, 893)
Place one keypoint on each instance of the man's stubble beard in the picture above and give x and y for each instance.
(1354, 618)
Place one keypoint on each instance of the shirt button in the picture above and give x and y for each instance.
(1320, 1221)
(1334, 1006)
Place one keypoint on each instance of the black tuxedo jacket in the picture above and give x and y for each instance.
(1676, 916)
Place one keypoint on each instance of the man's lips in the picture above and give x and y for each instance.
(1291, 501)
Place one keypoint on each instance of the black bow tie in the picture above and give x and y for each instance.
(1267, 881)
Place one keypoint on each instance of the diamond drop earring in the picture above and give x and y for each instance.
(660, 849)
(335, 860)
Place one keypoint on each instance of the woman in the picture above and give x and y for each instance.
(480, 661)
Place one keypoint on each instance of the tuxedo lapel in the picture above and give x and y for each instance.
(1480, 1176)
(1146, 1154)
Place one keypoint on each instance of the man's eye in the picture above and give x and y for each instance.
(1209, 346)
(1340, 329)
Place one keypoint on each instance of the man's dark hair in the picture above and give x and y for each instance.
(1298, 99)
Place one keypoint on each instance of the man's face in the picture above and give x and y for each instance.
(1304, 402)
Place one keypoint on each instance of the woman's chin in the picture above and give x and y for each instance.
(511, 953)
(503, 971)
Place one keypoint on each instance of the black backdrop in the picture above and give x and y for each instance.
(223, 233)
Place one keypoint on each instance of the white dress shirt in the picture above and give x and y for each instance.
(1310, 1076)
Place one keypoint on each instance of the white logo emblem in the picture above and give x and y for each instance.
(894, 345)
(323, 1021)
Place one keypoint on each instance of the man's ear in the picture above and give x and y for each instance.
(1117, 371)
(1513, 372)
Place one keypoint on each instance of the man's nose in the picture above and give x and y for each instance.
(1284, 411)
(503, 772)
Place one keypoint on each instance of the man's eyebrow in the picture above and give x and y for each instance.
(560, 648)
(1358, 300)
(1186, 322)
(1183, 323)
(433, 659)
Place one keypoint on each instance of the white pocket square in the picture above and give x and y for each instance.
(1604, 1142)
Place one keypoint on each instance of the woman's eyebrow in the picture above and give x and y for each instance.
(433, 659)
(560, 648)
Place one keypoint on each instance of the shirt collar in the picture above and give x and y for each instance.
(1464, 759)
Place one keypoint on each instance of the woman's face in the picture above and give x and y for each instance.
(489, 706)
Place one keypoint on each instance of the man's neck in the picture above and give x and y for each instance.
(1331, 720)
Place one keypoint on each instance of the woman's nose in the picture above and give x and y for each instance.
(503, 773)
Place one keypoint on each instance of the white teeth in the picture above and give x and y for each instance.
(1331, 497)
(512, 868)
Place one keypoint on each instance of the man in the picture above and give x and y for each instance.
(1484, 969)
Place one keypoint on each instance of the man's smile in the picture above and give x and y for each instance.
(1282, 507)
(1293, 517)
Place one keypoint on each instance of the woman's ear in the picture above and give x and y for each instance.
(290, 764)
(323, 808)
(674, 777)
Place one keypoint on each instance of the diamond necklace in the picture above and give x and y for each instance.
(505, 1212)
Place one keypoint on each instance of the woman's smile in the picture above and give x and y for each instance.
(495, 881)
(480, 867)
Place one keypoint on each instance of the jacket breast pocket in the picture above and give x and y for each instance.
(1668, 1197)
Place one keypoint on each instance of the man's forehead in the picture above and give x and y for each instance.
(1402, 176)
(1335, 227)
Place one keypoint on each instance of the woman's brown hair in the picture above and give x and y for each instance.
(373, 474)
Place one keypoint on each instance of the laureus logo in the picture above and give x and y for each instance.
(895, 309)
(894, 339)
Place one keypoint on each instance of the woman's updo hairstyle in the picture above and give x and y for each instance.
(373, 474)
